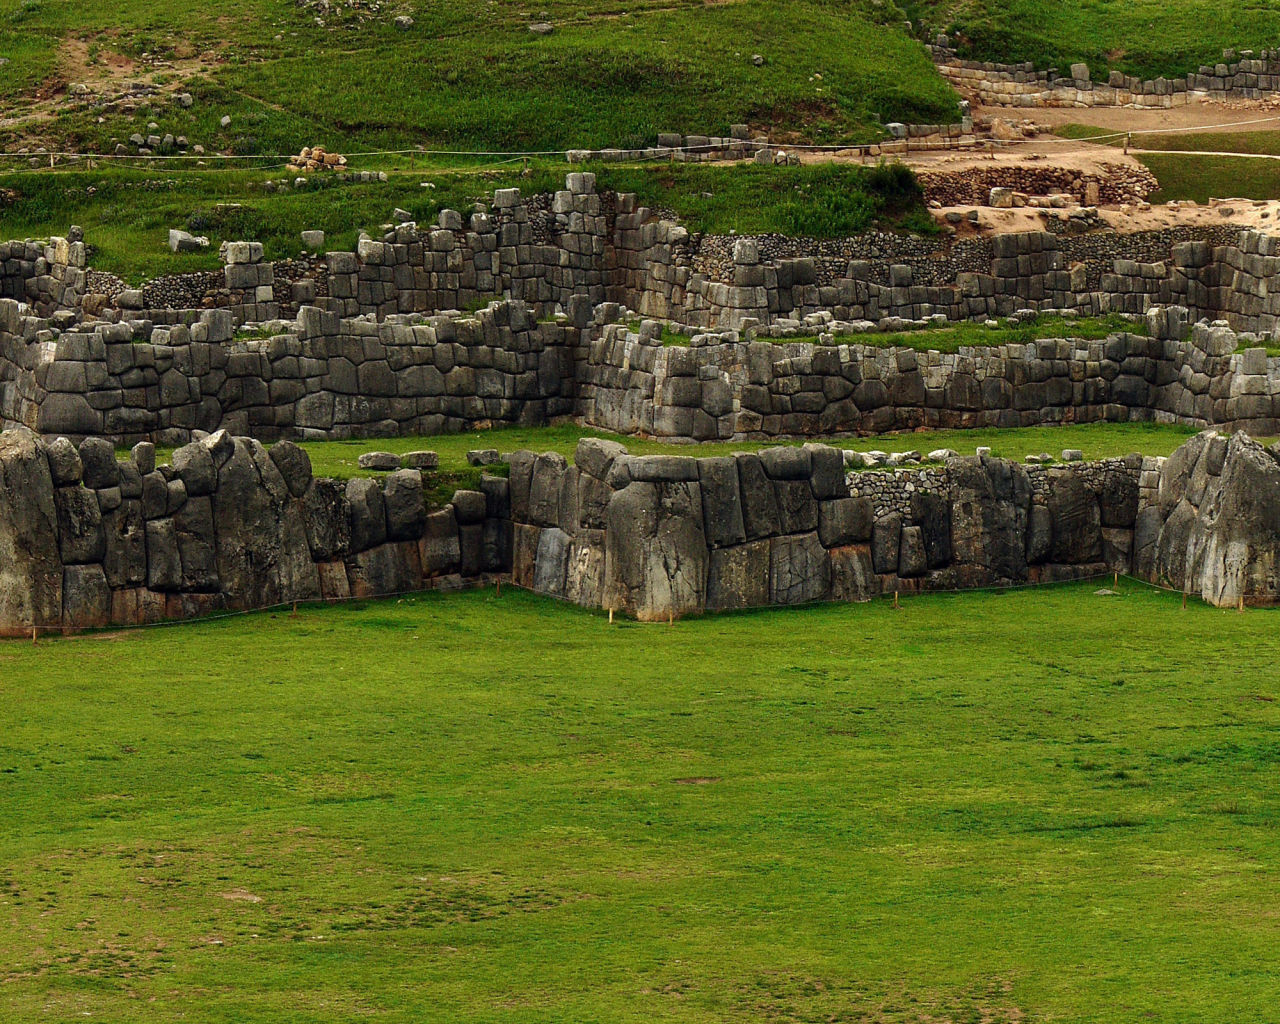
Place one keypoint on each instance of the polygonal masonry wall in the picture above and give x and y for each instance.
(89, 541)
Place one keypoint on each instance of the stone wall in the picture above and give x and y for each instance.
(323, 377)
(1021, 85)
(87, 540)
(723, 387)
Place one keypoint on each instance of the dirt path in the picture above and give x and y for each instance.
(1197, 114)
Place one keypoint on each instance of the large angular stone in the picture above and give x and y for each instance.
(931, 514)
(799, 569)
(797, 511)
(551, 562)
(194, 465)
(30, 566)
(738, 577)
(125, 561)
(294, 465)
(440, 548)
(584, 578)
(759, 502)
(99, 460)
(721, 503)
(196, 547)
(595, 455)
(64, 462)
(1039, 534)
(989, 502)
(326, 519)
(406, 508)
(367, 509)
(392, 568)
(544, 489)
(521, 479)
(845, 521)
(524, 554)
(656, 553)
(86, 598)
(80, 536)
(912, 560)
(164, 565)
(827, 475)
(1077, 520)
(787, 462)
(886, 540)
(853, 577)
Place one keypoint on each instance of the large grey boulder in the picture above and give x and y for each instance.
(595, 455)
(827, 476)
(86, 598)
(911, 554)
(797, 510)
(164, 565)
(263, 557)
(64, 462)
(98, 458)
(1229, 549)
(440, 549)
(931, 515)
(30, 566)
(787, 462)
(392, 568)
(125, 561)
(886, 539)
(853, 577)
(551, 563)
(195, 467)
(197, 550)
(544, 489)
(584, 578)
(656, 552)
(520, 476)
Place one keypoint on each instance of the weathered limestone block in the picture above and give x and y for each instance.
(294, 465)
(551, 562)
(797, 509)
(440, 548)
(30, 566)
(98, 458)
(584, 583)
(367, 508)
(326, 519)
(392, 568)
(1077, 519)
(911, 554)
(80, 536)
(125, 561)
(799, 569)
(721, 503)
(886, 540)
(845, 521)
(656, 552)
(989, 508)
(931, 514)
(524, 554)
(406, 509)
(194, 465)
(738, 577)
(197, 550)
(1039, 534)
(164, 565)
(827, 475)
(544, 489)
(86, 598)
(759, 502)
(853, 577)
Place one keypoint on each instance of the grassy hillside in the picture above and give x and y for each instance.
(470, 74)
(1140, 37)
(1041, 805)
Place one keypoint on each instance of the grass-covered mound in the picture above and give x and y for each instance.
(470, 74)
(1020, 806)
(1148, 38)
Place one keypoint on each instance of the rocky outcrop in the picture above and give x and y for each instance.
(30, 564)
(1219, 499)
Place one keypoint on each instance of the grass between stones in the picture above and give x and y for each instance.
(1147, 38)
(1040, 804)
(127, 214)
(1096, 440)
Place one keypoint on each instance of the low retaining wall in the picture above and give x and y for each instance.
(1022, 85)
(88, 541)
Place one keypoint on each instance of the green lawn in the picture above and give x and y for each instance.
(1034, 805)
(1148, 38)
(127, 214)
(469, 74)
(1202, 178)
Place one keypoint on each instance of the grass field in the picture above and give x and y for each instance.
(1148, 38)
(983, 807)
(471, 75)
(127, 214)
